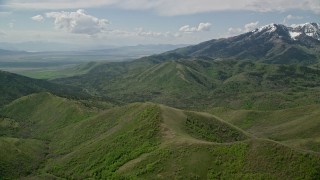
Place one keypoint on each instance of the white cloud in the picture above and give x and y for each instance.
(251, 26)
(204, 27)
(246, 28)
(141, 32)
(176, 7)
(199, 28)
(78, 22)
(291, 17)
(187, 28)
(233, 31)
(38, 18)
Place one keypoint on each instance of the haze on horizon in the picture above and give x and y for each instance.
(80, 24)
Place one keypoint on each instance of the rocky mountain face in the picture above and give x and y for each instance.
(309, 29)
(273, 43)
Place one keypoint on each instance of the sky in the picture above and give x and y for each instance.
(89, 24)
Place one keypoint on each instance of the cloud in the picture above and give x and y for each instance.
(199, 28)
(291, 17)
(38, 18)
(246, 28)
(143, 33)
(176, 7)
(78, 22)
(233, 31)
(251, 26)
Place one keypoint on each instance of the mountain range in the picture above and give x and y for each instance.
(274, 43)
(244, 107)
(265, 61)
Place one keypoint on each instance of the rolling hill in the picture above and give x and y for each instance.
(13, 86)
(271, 64)
(198, 83)
(297, 127)
(139, 140)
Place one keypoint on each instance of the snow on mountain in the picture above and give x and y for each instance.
(268, 28)
(308, 29)
(294, 35)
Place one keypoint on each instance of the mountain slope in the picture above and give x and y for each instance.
(272, 67)
(146, 140)
(28, 124)
(296, 127)
(45, 112)
(201, 82)
(274, 43)
(13, 86)
(20, 157)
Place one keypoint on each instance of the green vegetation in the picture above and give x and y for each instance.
(253, 160)
(103, 156)
(45, 112)
(51, 137)
(13, 86)
(20, 157)
(197, 83)
(211, 129)
(297, 127)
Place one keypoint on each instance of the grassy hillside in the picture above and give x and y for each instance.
(46, 113)
(139, 140)
(20, 157)
(28, 124)
(13, 86)
(201, 82)
(251, 160)
(298, 127)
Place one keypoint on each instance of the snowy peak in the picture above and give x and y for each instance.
(267, 28)
(273, 43)
(293, 32)
(309, 29)
(271, 30)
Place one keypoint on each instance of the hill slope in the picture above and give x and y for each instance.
(13, 86)
(296, 127)
(26, 127)
(272, 67)
(142, 140)
(201, 82)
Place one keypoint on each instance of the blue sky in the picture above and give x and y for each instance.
(99, 23)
